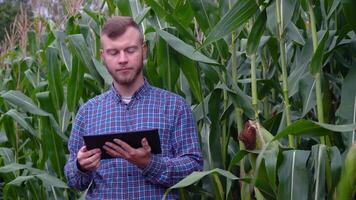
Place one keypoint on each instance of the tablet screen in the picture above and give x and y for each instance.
(132, 138)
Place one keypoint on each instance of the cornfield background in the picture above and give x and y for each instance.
(288, 66)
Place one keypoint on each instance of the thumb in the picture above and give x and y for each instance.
(145, 144)
(83, 149)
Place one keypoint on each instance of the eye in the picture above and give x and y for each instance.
(131, 50)
(112, 52)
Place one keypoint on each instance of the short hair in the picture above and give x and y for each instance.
(117, 25)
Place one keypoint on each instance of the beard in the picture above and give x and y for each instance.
(129, 78)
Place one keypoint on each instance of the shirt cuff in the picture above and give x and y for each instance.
(155, 168)
(85, 175)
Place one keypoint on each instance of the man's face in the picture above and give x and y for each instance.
(124, 56)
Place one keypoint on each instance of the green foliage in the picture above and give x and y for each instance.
(202, 50)
(8, 10)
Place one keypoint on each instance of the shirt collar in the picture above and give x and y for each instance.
(139, 93)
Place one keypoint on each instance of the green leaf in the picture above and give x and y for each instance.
(164, 13)
(307, 93)
(237, 158)
(333, 8)
(336, 164)
(54, 77)
(310, 128)
(32, 42)
(196, 176)
(15, 167)
(256, 33)
(190, 71)
(139, 18)
(270, 158)
(81, 50)
(167, 65)
(65, 117)
(184, 48)
(52, 181)
(21, 120)
(75, 85)
(347, 108)
(233, 19)
(8, 155)
(239, 99)
(214, 141)
(53, 144)
(349, 7)
(318, 160)
(12, 167)
(294, 34)
(124, 7)
(337, 128)
(293, 175)
(102, 71)
(20, 179)
(111, 7)
(31, 77)
(302, 127)
(17, 98)
(316, 62)
(206, 13)
(10, 130)
(24, 102)
(262, 181)
(346, 187)
(65, 55)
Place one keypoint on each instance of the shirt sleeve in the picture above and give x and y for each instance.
(187, 158)
(76, 178)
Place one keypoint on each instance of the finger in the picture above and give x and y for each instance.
(112, 152)
(124, 145)
(88, 161)
(145, 145)
(94, 165)
(90, 153)
(112, 145)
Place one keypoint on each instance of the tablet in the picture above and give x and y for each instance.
(132, 138)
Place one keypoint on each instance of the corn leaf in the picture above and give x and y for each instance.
(54, 77)
(20, 119)
(233, 19)
(81, 50)
(184, 48)
(347, 108)
(293, 175)
(318, 161)
(256, 33)
(316, 62)
(346, 186)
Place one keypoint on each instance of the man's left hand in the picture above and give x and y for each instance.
(141, 157)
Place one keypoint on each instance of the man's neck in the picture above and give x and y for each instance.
(127, 90)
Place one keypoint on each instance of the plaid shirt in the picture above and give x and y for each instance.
(150, 108)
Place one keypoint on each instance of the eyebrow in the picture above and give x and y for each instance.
(132, 46)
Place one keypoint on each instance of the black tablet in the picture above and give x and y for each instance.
(132, 138)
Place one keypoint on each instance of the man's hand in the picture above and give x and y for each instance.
(140, 157)
(88, 160)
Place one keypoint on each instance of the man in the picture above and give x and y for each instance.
(130, 105)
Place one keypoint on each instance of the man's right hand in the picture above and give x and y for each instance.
(88, 160)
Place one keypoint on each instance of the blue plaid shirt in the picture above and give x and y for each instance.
(150, 108)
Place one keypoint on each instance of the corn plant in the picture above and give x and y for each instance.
(284, 68)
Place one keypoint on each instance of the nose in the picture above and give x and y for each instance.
(122, 57)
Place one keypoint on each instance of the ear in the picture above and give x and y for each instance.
(144, 50)
(101, 54)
